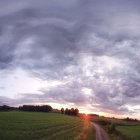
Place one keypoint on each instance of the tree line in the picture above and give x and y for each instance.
(40, 108)
(130, 119)
(37, 108)
(72, 111)
(6, 108)
(33, 108)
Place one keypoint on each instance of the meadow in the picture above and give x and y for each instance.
(44, 126)
(132, 132)
(119, 129)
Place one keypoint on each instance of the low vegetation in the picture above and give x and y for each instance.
(120, 129)
(44, 126)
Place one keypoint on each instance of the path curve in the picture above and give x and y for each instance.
(100, 133)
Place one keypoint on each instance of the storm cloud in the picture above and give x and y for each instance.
(90, 47)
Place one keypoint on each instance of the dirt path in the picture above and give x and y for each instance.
(100, 133)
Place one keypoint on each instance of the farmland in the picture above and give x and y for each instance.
(43, 126)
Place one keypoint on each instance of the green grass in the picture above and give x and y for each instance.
(43, 126)
(130, 131)
(126, 129)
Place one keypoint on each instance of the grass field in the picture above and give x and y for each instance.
(125, 129)
(43, 126)
(130, 131)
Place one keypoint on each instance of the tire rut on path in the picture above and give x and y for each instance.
(100, 133)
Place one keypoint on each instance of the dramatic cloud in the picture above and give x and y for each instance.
(84, 53)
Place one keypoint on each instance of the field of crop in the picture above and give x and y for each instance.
(130, 131)
(43, 126)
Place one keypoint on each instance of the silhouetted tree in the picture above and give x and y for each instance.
(5, 108)
(62, 110)
(72, 111)
(66, 111)
(76, 111)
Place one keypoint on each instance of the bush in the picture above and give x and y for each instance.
(112, 127)
(104, 122)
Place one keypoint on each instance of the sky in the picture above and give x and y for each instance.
(77, 53)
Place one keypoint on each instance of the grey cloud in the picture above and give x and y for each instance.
(85, 43)
(5, 101)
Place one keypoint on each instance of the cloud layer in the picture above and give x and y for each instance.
(90, 47)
